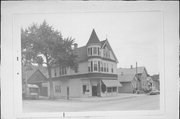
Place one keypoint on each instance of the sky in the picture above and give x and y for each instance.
(133, 36)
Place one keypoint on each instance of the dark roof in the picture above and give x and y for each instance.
(102, 42)
(93, 38)
(81, 53)
(128, 74)
(37, 77)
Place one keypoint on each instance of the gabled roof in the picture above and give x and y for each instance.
(128, 74)
(106, 42)
(37, 77)
(102, 42)
(32, 69)
(93, 38)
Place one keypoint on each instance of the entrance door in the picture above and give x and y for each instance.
(94, 90)
(44, 91)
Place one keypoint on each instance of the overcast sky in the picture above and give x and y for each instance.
(133, 36)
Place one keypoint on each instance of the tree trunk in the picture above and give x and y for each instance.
(51, 96)
(51, 89)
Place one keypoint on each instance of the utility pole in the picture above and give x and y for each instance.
(136, 68)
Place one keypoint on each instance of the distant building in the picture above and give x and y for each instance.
(35, 75)
(96, 74)
(156, 81)
(133, 80)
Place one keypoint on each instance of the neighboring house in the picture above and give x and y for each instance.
(133, 80)
(36, 75)
(156, 81)
(96, 74)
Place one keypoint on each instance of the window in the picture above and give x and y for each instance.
(57, 88)
(101, 66)
(65, 72)
(62, 71)
(104, 67)
(91, 66)
(95, 66)
(99, 69)
(85, 88)
(114, 89)
(98, 51)
(89, 51)
(76, 70)
(112, 68)
(55, 72)
(108, 89)
(94, 50)
(107, 68)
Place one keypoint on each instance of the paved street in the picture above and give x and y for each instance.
(120, 102)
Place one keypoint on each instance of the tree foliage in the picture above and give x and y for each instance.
(42, 44)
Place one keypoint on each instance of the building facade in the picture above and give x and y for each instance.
(134, 80)
(96, 74)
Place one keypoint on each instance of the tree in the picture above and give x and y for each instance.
(42, 44)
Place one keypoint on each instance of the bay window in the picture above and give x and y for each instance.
(95, 66)
(104, 67)
(112, 68)
(101, 66)
(89, 51)
(94, 50)
(107, 68)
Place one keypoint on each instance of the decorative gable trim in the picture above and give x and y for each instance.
(106, 42)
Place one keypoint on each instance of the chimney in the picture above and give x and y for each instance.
(131, 66)
(75, 45)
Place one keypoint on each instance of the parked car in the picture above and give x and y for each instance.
(154, 92)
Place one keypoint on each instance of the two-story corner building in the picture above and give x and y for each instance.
(96, 74)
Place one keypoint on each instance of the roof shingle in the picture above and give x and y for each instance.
(128, 74)
(93, 38)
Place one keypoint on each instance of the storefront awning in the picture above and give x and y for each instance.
(112, 83)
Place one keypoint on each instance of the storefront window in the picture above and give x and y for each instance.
(85, 88)
(108, 89)
(114, 89)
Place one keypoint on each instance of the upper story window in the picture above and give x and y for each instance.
(112, 68)
(93, 51)
(62, 71)
(99, 66)
(107, 67)
(89, 51)
(55, 74)
(106, 53)
(95, 66)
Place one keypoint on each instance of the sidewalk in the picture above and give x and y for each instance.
(106, 98)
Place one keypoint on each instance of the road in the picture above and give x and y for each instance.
(116, 103)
